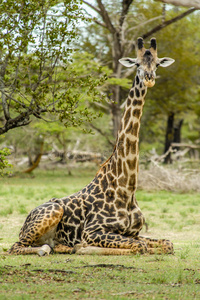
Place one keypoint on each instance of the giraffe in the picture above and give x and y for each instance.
(104, 217)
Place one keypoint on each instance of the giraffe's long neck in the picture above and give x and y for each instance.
(125, 159)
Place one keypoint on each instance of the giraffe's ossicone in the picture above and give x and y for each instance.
(104, 217)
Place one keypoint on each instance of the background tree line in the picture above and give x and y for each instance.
(53, 71)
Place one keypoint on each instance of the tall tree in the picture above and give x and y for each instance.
(35, 49)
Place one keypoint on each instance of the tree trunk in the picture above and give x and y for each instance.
(173, 135)
(116, 118)
(177, 134)
(34, 164)
(169, 137)
(115, 109)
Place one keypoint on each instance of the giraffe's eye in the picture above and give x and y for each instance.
(157, 65)
(137, 65)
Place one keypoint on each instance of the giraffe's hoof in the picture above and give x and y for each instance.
(44, 250)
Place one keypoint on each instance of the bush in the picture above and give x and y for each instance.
(4, 162)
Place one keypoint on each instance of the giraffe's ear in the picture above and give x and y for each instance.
(128, 62)
(165, 61)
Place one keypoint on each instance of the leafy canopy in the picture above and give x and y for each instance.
(36, 76)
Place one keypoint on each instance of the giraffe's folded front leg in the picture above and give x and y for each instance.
(158, 246)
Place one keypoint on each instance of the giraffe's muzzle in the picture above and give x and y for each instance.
(149, 80)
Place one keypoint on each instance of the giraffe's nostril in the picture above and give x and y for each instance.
(148, 77)
(148, 52)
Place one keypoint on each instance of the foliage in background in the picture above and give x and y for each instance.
(77, 88)
(4, 162)
(177, 34)
(36, 76)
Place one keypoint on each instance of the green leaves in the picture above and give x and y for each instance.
(3, 161)
(37, 75)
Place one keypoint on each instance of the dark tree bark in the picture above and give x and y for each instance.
(177, 133)
(173, 135)
(169, 137)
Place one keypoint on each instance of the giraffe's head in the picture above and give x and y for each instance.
(147, 62)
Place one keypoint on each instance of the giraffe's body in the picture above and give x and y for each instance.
(103, 217)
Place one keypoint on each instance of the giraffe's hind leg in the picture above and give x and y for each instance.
(158, 246)
(104, 243)
(38, 232)
(109, 243)
(85, 249)
(153, 246)
(63, 249)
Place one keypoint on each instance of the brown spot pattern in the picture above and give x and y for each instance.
(122, 181)
(132, 163)
(132, 182)
(131, 93)
(135, 129)
(137, 113)
(128, 102)
(130, 147)
(119, 167)
(120, 204)
(125, 169)
(121, 145)
(127, 117)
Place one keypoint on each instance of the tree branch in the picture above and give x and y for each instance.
(21, 120)
(186, 3)
(125, 8)
(102, 133)
(100, 23)
(144, 23)
(106, 17)
(2, 87)
(167, 23)
(13, 99)
(92, 6)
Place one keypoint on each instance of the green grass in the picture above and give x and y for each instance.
(169, 215)
(95, 277)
